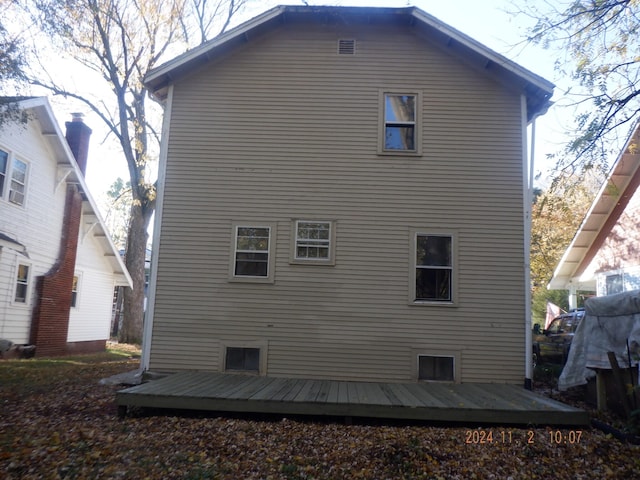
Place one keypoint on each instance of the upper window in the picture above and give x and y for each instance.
(433, 272)
(399, 123)
(313, 241)
(18, 181)
(252, 258)
(22, 284)
(13, 178)
(4, 164)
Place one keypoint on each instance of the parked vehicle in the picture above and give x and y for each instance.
(553, 344)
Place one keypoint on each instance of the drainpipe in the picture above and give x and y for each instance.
(528, 199)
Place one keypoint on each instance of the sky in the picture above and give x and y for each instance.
(486, 21)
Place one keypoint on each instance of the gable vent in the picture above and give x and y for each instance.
(347, 47)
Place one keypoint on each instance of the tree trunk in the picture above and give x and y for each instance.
(134, 299)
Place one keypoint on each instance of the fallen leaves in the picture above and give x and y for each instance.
(57, 422)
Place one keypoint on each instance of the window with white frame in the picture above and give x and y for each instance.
(252, 259)
(74, 291)
(22, 284)
(400, 122)
(18, 182)
(313, 241)
(4, 165)
(433, 268)
(13, 178)
(614, 284)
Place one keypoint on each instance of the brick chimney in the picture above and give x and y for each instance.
(78, 139)
(50, 318)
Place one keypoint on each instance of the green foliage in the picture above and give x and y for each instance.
(556, 215)
(600, 40)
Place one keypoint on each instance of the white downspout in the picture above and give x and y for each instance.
(527, 184)
(147, 330)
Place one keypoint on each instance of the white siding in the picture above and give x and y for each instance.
(91, 318)
(285, 129)
(37, 224)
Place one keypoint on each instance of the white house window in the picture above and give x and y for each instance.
(4, 165)
(74, 291)
(433, 271)
(400, 122)
(614, 284)
(22, 284)
(436, 368)
(242, 359)
(313, 241)
(252, 255)
(18, 182)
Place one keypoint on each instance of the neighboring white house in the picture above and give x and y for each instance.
(40, 239)
(604, 255)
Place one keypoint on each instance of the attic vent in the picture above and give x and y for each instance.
(347, 47)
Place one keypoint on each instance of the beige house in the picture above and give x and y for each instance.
(604, 255)
(342, 195)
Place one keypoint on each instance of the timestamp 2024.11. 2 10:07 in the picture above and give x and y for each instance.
(523, 437)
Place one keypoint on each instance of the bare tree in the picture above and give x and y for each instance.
(12, 64)
(600, 40)
(119, 42)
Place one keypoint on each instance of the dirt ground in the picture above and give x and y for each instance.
(58, 422)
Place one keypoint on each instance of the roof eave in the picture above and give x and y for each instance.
(53, 134)
(537, 90)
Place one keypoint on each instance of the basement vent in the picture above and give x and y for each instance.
(346, 47)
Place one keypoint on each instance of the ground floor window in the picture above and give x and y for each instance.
(252, 253)
(313, 242)
(74, 291)
(22, 284)
(433, 268)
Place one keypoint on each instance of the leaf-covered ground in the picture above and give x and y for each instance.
(57, 421)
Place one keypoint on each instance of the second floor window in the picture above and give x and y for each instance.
(400, 129)
(4, 165)
(13, 178)
(18, 182)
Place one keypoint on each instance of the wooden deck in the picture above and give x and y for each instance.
(466, 403)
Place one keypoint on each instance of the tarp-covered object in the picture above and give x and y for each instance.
(609, 325)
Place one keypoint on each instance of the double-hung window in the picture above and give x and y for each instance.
(13, 178)
(252, 253)
(400, 113)
(18, 182)
(433, 272)
(22, 284)
(74, 292)
(313, 242)
(4, 165)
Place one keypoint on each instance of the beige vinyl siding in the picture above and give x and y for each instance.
(285, 128)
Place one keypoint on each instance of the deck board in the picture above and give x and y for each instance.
(474, 403)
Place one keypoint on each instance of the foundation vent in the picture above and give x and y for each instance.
(346, 47)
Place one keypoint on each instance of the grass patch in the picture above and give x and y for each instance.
(36, 373)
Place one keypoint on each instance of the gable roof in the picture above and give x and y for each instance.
(608, 206)
(537, 90)
(94, 224)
